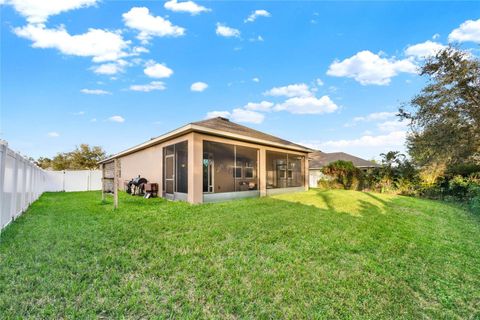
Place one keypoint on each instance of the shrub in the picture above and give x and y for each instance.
(345, 174)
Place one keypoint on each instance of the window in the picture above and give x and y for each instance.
(284, 170)
(229, 168)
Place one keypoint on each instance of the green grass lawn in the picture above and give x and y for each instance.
(318, 254)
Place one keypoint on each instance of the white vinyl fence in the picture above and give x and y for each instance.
(74, 180)
(21, 183)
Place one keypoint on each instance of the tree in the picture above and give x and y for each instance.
(44, 163)
(344, 173)
(445, 116)
(83, 157)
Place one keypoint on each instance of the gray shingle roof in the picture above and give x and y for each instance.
(320, 159)
(226, 125)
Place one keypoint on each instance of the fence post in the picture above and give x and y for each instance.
(24, 186)
(13, 205)
(3, 158)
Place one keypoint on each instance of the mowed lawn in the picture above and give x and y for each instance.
(317, 254)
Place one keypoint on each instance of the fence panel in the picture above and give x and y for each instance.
(21, 183)
(74, 180)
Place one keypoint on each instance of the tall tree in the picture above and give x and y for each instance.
(83, 157)
(445, 115)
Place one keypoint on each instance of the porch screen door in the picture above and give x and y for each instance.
(169, 173)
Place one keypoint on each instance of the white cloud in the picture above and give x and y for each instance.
(110, 68)
(215, 114)
(242, 115)
(369, 68)
(257, 13)
(198, 86)
(436, 36)
(157, 70)
(319, 82)
(392, 126)
(225, 31)
(152, 86)
(424, 50)
(139, 18)
(259, 106)
(238, 115)
(38, 11)
(100, 44)
(375, 116)
(256, 79)
(292, 90)
(53, 134)
(118, 119)
(307, 105)
(468, 31)
(257, 39)
(79, 113)
(185, 6)
(93, 120)
(95, 91)
(392, 139)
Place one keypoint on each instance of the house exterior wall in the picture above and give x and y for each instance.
(148, 163)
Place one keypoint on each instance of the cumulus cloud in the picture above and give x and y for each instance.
(392, 139)
(375, 116)
(257, 13)
(185, 6)
(239, 115)
(37, 11)
(139, 18)
(110, 68)
(468, 31)
(118, 119)
(95, 91)
(157, 70)
(424, 50)
(53, 134)
(152, 86)
(101, 45)
(248, 116)
(225, 31)
(292, 90)
(215, 114)
(198, 86)
(369, 68)
(392, 126)
(264, 106)
(256, 79)
(307, 105)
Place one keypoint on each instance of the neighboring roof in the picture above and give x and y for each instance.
(221, 127)
(320, 159)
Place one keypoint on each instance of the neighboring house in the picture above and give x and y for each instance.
(215, 160)
(319, 159)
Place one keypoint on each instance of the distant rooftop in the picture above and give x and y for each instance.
(320, 159)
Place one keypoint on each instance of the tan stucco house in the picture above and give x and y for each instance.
(215, 160)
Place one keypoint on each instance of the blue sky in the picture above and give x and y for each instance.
(329, 75)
